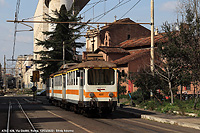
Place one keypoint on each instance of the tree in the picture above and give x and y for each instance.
(180, 56)
(146, 82)
(190, 12)
(172, 67)
(63, 34)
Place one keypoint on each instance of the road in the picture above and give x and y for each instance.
(51, 119)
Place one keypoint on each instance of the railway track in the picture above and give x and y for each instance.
(26, 127)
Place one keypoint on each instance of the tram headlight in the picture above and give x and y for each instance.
(111, 94)
(91, 94)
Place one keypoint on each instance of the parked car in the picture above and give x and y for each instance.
(41, 93)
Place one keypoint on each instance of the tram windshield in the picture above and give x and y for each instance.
(101, 77)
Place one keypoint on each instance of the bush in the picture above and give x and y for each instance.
(151, 105)
(123, 96)
(169, 108)
(140, 97)
(122, 89)
(181, 107)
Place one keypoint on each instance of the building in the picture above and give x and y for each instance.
(115, 33)
(127, 45)
(23, 71)
(46, 7)
(27, 70)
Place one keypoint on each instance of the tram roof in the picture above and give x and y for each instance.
(94, 64)
(88, 64)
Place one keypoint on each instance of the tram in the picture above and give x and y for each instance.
(86, 87)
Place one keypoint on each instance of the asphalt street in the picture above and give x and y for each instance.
(48, 118)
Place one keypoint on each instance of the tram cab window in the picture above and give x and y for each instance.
(101, 77)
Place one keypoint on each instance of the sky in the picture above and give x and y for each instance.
(165, 10)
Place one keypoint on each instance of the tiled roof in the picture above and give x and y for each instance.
(112, 50)
(128, 20)
(142, 42)
(133, 55)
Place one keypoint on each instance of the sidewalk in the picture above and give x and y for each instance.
(184, 121)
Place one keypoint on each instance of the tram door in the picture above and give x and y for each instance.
(80, 76)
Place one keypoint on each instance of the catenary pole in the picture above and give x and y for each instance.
(152, 42)
(4, 80)
(152, 36)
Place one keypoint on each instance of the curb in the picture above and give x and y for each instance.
(161, 120)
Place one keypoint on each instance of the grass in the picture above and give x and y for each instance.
(180, 107)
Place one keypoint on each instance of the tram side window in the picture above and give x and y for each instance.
(67, 78)
(72, 78)
(64, 81)
(58, 81)
(52, 83)
(77, 75)
(82, 78)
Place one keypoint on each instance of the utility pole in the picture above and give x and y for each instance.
(21, 77)
(152, 41)
(152, 36)
(4, 77)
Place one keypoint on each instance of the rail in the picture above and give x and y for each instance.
(20, 106)
(22, 110)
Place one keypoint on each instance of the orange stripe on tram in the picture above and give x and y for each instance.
(74, 92)
(57, 91)
(99, 94)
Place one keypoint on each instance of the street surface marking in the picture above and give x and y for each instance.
(8, 123)
(151, 125)
(71, 122)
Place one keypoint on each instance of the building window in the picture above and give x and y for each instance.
(106, 43)
(128, 37)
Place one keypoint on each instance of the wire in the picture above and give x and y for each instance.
(91, 7)
(15, 32)
(36, 16)
(95, 3)
(108, 11)
(116, 6)
(131, 8)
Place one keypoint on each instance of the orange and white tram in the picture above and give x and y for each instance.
(85, 87)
